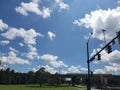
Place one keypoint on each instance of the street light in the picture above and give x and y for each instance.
(88, 63)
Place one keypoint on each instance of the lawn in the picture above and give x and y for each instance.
(34, 87)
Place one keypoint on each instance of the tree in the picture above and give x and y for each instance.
(41, 76)
(31, 77)
(76, 80)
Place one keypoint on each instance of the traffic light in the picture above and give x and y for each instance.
(99, 56)
(118, 33)
(109, 49)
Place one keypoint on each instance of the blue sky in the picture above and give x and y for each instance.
(53, 34)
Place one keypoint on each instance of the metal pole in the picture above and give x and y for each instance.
(88, 63)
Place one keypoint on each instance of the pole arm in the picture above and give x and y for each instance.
(93, 57)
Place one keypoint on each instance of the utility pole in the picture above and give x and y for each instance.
(88, 63)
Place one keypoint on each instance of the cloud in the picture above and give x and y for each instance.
(3, 25)
(51, 35)
(13, 59)
(118, 1)
(33, 7)
(102, 19)
(29, 36)
(74, 69)
(111, 69)
(53, 60)
(62, 5)
(49, 69)
(32, 52)
(46, 12)
(5, 42)
(14, 50)
(21, 44)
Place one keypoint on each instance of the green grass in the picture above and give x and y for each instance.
(35, 87)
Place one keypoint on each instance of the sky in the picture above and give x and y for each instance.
(53, 34)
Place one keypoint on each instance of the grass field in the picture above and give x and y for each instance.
(34, 87)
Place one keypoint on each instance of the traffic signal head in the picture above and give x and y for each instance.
(99, 56)
(118, 33)
(109, 49)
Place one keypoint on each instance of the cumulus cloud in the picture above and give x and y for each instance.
(53, 60)
(32, 52)
(33, 7)
(102, 19)
(74, 69)
(21, 44)
(5, 42)
(62, 5)
(29, 36)
(3, 25)
(13, 59)
(111, 69)
(14, 50)
(51, 35)
(47, 68)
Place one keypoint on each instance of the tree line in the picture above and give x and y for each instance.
(40, 77)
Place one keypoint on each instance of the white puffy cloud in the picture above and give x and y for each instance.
(32, 52)
(102, 19)
(62, 5)
(3, 25)
(29, 36)
(21, 44)
(53, 60)
(46, 12)
(14, 50)
(111, 69)
(74, 69)
(33, 7)
(49, 69)
(5, 42)
(13, 59)
(51, 35)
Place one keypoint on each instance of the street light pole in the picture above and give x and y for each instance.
(88, 63)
